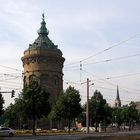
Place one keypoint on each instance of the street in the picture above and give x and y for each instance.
(108, 136)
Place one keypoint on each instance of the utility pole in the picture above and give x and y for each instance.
(87, 105)
(87, 108)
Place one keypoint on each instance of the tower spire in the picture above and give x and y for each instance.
(117, 100)
(117, 97)
(43, 30)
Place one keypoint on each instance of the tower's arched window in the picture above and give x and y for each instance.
(56, 80)
(32, 78)
(24, 81)
(44, 79)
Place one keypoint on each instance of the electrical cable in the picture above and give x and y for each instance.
(125, 75)
(104, 50)
(113, 46)
(103, 61)
(112, 59)
(10, 68)
(106, 80)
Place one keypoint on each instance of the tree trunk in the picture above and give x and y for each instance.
(34, 117)
(69, 124)
(95, 125)
(34, 120)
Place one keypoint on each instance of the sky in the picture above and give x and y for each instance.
(100, 40)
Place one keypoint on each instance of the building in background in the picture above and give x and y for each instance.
(43, 61)
(117, 100)
(137, 105)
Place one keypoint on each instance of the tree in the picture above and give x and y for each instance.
(36, 102)
(56, 113)
(68, 106)
(1, 108)
(127, 115)
(14, 114)
(117, 117)
(130, 114)
(98, 108)
(1, 104)
(9, 116)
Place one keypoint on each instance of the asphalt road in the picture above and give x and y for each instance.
(93, 136)
(58, 137)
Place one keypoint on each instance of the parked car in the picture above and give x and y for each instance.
(5, 131)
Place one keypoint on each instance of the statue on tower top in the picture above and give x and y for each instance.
(43, 16)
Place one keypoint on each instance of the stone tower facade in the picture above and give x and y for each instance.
(117, 100)
(43, 61)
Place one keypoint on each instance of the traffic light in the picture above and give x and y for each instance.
(12, 94)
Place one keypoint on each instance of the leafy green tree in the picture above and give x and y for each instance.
(68, 106)
(98, 109)
(1, 104)
(36, 102)
(127, 115)
(1, 108)
(130, 114)
(9, 117)
(19, 109)
(14, 114)
(118, 117)
(56, 113)
(108, 114)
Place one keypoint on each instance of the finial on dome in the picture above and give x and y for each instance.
(43, 29)
(43, 16)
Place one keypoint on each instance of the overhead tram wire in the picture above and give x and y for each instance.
(113, 59)
(114, 89)
(98, 77)
(10, 83)
(6, 87)
(128, 99)
(10, 68)
(107, 97)
(102, 61)
(109, 77)
(106, 81)
(113, 46)
(71, 82)
(106, 49)
(10, 78)
(125, 75)
(136, 92)
(9, 74)
(11, 86)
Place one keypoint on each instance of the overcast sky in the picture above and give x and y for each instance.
(101, 35)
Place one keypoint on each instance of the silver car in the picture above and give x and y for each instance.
(5, 131)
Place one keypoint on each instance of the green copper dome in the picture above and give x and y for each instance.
(43, 40)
